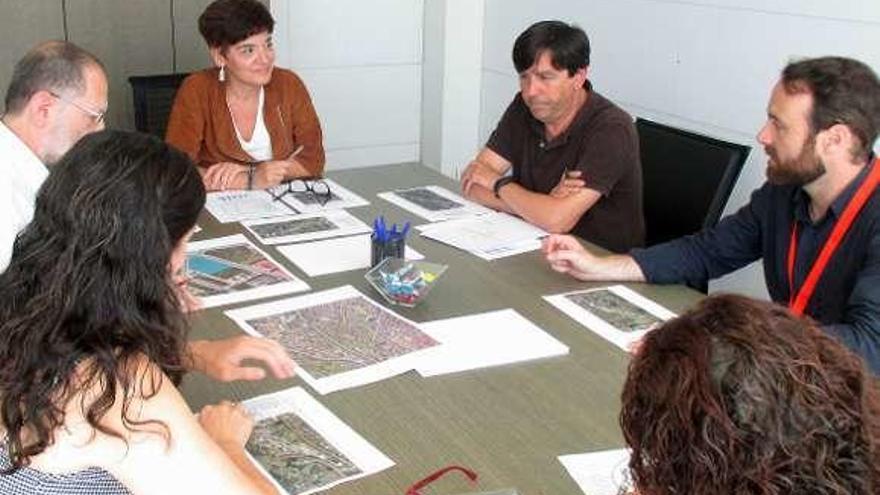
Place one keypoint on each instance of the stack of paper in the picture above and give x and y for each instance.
(484, 340)
(598, 473)
(334, 255)
(492, 236)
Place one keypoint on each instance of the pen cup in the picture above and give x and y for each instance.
(392, 247)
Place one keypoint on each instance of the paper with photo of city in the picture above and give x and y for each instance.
(232, 269)
(616, 313)
(306, 227)
(303, 447)
(433, 203)
(338, 338)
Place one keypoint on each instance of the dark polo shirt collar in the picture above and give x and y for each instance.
(578, 124)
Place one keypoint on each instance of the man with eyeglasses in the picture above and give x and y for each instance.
(57, 95)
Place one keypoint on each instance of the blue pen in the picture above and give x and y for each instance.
(405, 229)
(379, 228)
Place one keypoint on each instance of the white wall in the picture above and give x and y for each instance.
(453, 47)
(362, 63)
(706, 65)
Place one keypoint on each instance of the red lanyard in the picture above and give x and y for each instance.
(798, 302)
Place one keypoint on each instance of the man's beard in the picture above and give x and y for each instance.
(802, 170)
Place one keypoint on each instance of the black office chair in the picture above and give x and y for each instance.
(687, 179)
(153, 98)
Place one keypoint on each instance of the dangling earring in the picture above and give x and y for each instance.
(222, 75)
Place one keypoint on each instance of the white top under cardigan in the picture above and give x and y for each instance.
(260, 145)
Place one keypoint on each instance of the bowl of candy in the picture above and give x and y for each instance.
(404, 282)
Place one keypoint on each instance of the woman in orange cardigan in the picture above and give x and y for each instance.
(246, 123)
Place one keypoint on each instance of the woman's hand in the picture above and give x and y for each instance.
(228, 424)
(268, 174)
(225, 175)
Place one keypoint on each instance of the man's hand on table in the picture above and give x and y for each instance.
(566, 255)
(223, 359)
(478, 174)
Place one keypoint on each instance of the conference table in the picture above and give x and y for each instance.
(507, 423)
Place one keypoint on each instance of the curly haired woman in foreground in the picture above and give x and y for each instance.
(92, 339)
(740, 397)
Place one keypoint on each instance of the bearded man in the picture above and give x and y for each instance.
(815, 223)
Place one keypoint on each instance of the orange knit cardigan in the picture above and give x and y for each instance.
(201, 126)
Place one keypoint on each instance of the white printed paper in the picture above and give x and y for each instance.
(340, 197)
(616, 313)
(303, 447)
(484, 340)
(599, 473)
(490, 236)
(235, 206)
(335, 255)
(306, 227)
(232, 269)
(338, 338)
(434, 203)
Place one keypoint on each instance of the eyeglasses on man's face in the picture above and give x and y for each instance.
(96, 115)
(305, 190)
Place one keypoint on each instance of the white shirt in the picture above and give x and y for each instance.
(21, 175)
(260, 145)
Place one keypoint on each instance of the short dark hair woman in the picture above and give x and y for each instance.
(246, 123)
(92, 336)
(741, 397)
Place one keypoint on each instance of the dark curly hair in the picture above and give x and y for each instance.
(741, 397)
(87, 293)
(226, 22)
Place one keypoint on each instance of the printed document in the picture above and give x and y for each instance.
(492, 236)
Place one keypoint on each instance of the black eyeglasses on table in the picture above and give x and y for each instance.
(304, 189)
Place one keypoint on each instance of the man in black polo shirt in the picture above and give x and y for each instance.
(574, 154)
(815, 223)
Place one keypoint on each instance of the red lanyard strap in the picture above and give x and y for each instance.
(798, 302)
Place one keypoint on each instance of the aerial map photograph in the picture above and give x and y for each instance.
(428, 199)
(297, 456)
(343, 335)
(228, 269)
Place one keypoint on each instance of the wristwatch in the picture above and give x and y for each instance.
(501, 182)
